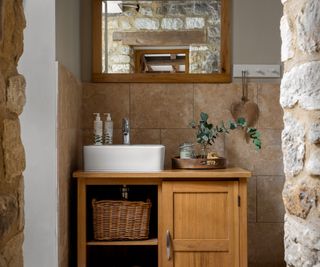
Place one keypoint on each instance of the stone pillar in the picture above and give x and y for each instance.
(300, 99)
(12, 159)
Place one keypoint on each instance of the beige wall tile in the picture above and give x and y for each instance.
(103, 98)
(68, 154)
(271, 113)
(266, 247)
(68, 151)
(251, 245)
(68, 157)
(69, 99)
(252, 199)
(238, 152)
(216, 100)
(146, 103)
(80, 149)
(87, 137)
(145, 136)
(161, 105)
(269, 199)
(271, 160)
(178, 108)
(267, 161)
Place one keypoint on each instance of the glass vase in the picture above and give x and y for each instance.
(204, 151)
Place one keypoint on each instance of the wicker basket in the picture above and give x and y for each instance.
(121, 220)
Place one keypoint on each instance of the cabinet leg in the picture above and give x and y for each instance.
(243, 223)
(82, 231)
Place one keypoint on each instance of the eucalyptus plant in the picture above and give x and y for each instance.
(207, 132)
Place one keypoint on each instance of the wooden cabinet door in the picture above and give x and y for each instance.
(200, 224)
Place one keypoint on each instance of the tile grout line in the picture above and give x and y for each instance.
(160, 128)
(265, 222)
(193, 106)
(130, 103)
(256, 198)
(258, 88)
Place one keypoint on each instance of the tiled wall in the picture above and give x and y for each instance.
(160, 113)
(69, 144)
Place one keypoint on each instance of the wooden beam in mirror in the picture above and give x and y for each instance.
(122, 29)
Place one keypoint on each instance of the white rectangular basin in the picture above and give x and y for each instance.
(124, 158)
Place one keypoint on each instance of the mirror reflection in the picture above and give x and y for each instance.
(161, 36)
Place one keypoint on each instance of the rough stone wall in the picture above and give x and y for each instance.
(69, 156)
(12, 158)
(157, 16)
(300, 99)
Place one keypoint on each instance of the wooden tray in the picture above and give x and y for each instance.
(199, 163)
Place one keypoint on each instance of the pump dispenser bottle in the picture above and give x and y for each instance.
(108, 130)
(98, 129)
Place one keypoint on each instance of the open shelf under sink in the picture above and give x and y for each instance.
(147, 242)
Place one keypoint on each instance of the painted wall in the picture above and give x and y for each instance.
(57, 23)
(68, 35)
(86, 46)
(256, 33)
(256, 20)
(38, 124)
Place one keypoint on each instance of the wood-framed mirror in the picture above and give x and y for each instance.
(176, 41)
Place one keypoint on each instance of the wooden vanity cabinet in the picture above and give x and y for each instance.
(202, 217)
(201, 222)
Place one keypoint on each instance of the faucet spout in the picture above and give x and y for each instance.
(125, 131)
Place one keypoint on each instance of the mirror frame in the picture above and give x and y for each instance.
(222, 77)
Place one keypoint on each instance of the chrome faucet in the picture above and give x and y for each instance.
(125, 131)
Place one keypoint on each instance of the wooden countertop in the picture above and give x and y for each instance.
(177, 173)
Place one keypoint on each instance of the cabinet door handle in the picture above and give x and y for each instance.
(168, 245)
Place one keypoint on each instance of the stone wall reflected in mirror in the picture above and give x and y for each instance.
(131, 29)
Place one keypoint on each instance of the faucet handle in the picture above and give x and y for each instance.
(126, 131)
(125, 123)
